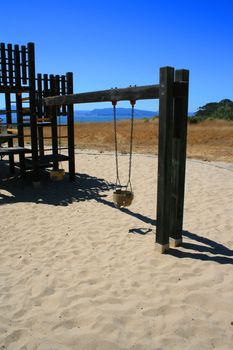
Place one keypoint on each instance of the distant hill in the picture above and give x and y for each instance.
(106, 114)
(214, 110)
(120, 112)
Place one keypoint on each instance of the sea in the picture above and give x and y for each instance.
(92, 117)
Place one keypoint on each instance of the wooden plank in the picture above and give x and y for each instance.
(13, 90)
(24, 64)
(9, 121)
(40, 116)
(164, 158)
(57, 92)
(18, 98)
(179, 158)
(63, 92)
(33, 123)
(13, 150)
(136, 93)
(7, 137)
(45, 93)
(3, 64)
(70, 120)
(10, 64)
(53, 117)
(17, 66)
(123, 94)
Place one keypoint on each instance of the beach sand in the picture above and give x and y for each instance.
(77, 273)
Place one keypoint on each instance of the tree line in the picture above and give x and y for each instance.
(214, 110)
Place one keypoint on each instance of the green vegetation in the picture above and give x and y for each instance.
(214, 110)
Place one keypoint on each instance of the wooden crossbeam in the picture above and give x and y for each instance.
(123, 94)
(138, 92)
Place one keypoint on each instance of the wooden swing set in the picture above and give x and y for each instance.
(172, 92)
(39, 101)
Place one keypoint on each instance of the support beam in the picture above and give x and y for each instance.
(164, 158)
(139, 92)
(179, 159)
(9, 121)
(33, 123)
(124, 94)
(53, 117)
(70, 125)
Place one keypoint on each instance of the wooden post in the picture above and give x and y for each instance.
(179, 159)
(70, 120)
(53, 117)
(33, 121)
(164, 158)
(63, 92)
(10, 65)
(3, 64)
(24, 64)
(40, 115)
(18, 99)
(9, 122)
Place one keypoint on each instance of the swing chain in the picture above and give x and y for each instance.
(118, 183)
(132, 102)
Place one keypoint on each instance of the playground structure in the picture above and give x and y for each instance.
(172, 92)
(41, 100)
(25, 117)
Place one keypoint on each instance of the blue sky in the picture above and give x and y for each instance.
(121, 43)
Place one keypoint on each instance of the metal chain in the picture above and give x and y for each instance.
(131, 145)
(118, 183)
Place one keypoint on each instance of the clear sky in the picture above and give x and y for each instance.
(121, 43)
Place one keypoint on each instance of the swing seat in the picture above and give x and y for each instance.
(57, 175)
(122, 198)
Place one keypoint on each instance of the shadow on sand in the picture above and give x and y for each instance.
(219, 253)
(86, 187)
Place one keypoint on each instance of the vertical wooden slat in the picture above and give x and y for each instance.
(3, 64)
(17, 66)
(10, 65)
(53, 117)
(164, 158)
(9, 122)
(45, 94)
(63, 92)
(40, 115)
(33, 122)
(179, 158)
(57, 92)
(24, 64)
(70, 120)
(18, 98)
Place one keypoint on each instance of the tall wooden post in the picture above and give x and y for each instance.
(18, 99)
(70, 120)
(53, 116)
(9, 122)
(40, 116)
(179, 158)
(166, 111)
(33, 121)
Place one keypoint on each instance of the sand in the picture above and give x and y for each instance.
(77, 273)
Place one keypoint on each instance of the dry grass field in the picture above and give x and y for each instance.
(209, 140)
